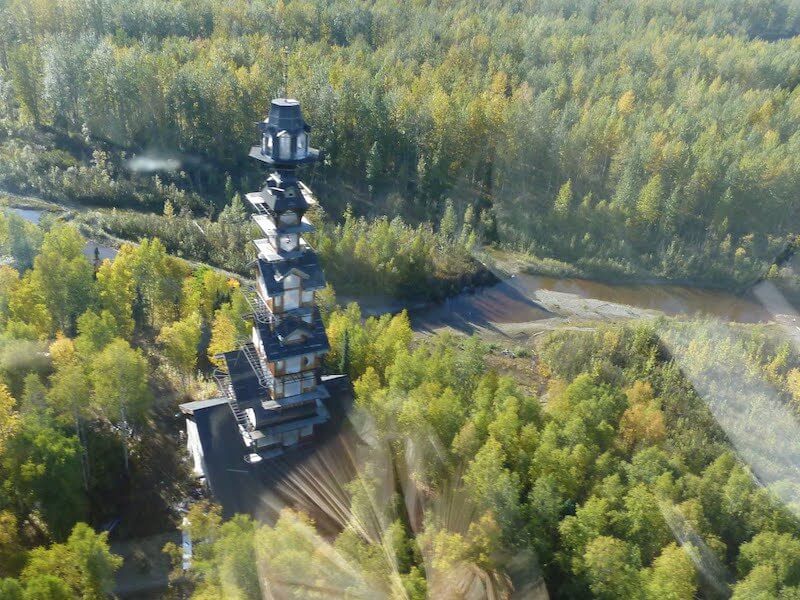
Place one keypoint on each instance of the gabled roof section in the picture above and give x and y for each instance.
(290, 325)
(277, 349)
(277, 201)
(306, 266)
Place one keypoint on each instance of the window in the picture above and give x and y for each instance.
(284, 145)
(288, 242)
(301, 150)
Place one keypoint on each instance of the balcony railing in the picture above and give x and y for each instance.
(259, 310)
(300, 376)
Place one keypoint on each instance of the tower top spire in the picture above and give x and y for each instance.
(285, 67)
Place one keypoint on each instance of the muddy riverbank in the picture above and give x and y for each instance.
(530, 299)
(93, 249)
(519, 298)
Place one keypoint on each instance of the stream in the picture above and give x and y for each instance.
(525, 298)
(33, 215)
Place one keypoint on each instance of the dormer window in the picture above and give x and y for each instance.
(302, 145)
(288, 242)
(284, 145)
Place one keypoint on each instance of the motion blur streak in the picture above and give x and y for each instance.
(746, 406)
(708, 565)
(144, 163)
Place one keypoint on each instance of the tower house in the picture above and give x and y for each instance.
(272, 382)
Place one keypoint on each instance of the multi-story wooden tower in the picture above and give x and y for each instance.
(272, 381)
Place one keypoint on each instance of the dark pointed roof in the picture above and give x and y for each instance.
(274, 273)
(285, 114)
(276, 348)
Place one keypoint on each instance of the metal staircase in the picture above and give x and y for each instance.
(259, 310)
(224, 385)
(264, 376)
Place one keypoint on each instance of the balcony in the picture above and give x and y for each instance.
(260, 311)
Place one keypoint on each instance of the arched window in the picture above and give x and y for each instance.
(289, 242)
(302, 145)
(284, 145)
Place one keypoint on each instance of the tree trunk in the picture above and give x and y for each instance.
(125, 442)
(85, 470)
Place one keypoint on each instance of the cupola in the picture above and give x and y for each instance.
(284, 135)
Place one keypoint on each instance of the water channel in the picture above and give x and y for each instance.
(528, 297)
(525, 298)
(92, 247)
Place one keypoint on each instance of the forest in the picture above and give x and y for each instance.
(640, 140)
(620, 481)
(94, 358)
(376, 257)
(632, 469)
(618, 140)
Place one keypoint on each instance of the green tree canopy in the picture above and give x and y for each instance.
(63, 275)
(119, 382)
(84, 563)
